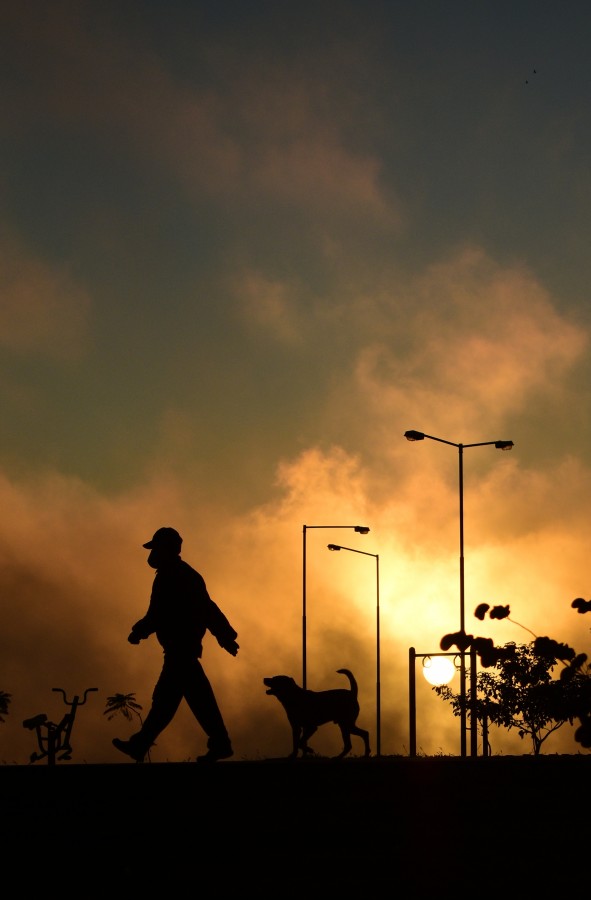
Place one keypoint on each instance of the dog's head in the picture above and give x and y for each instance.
(280, 685)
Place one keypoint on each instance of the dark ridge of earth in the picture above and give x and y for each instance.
(279, 828)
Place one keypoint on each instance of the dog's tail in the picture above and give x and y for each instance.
(351, 678)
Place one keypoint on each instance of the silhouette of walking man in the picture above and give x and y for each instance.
(179, 613)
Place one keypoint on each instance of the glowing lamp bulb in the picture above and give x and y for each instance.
(438, 670)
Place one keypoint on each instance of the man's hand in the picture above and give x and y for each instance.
(232, 647)
(133, 638)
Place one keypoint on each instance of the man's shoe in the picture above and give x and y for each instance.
(129, 748)
(217, 751)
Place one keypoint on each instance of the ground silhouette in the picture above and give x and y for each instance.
(397, 825)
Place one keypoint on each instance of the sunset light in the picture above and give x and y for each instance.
(295, 458)
(245, 248)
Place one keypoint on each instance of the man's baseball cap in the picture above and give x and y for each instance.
(168, 538)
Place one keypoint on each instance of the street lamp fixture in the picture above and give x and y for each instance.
(359, 529)
(414, 435)
(412, 686)
(378, 699)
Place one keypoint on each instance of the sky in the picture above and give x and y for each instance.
(243, 249)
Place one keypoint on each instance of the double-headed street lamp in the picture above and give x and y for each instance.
(378, 701)
(500, 445)
(360, 529)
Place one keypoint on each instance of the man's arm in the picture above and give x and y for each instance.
(221, 629)
(230, 646)
(140, 630)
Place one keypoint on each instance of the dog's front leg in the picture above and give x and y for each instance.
(295, 734)
(307, 732)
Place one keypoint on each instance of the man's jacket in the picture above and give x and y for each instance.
(181, 611)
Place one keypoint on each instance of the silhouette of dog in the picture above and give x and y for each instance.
(307, 710)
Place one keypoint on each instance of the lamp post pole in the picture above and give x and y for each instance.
(378, 698)
(500, 445)
(360, 529)
(462, 608)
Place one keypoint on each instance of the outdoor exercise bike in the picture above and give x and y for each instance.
(54, 740)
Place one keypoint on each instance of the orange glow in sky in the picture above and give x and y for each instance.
(239, 258)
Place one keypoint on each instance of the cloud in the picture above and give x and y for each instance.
(458, 352)
(280, 160)
(269, 306)
(73, 579)
(265, 131)
(44, 312)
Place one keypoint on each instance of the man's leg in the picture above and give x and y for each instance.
(204, 706)
(166, 699)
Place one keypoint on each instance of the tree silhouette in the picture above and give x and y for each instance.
(523, 692)
(579, 671)
(520, 693)
(5, 700)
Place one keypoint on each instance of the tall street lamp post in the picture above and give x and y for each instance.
(500, 445)
(378, 700)
(360, 529)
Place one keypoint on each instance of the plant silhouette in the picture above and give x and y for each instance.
(5, 700)
(125, 705)
(523, 693)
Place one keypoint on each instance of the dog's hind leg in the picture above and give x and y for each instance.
(362, 733)
(347, 746)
